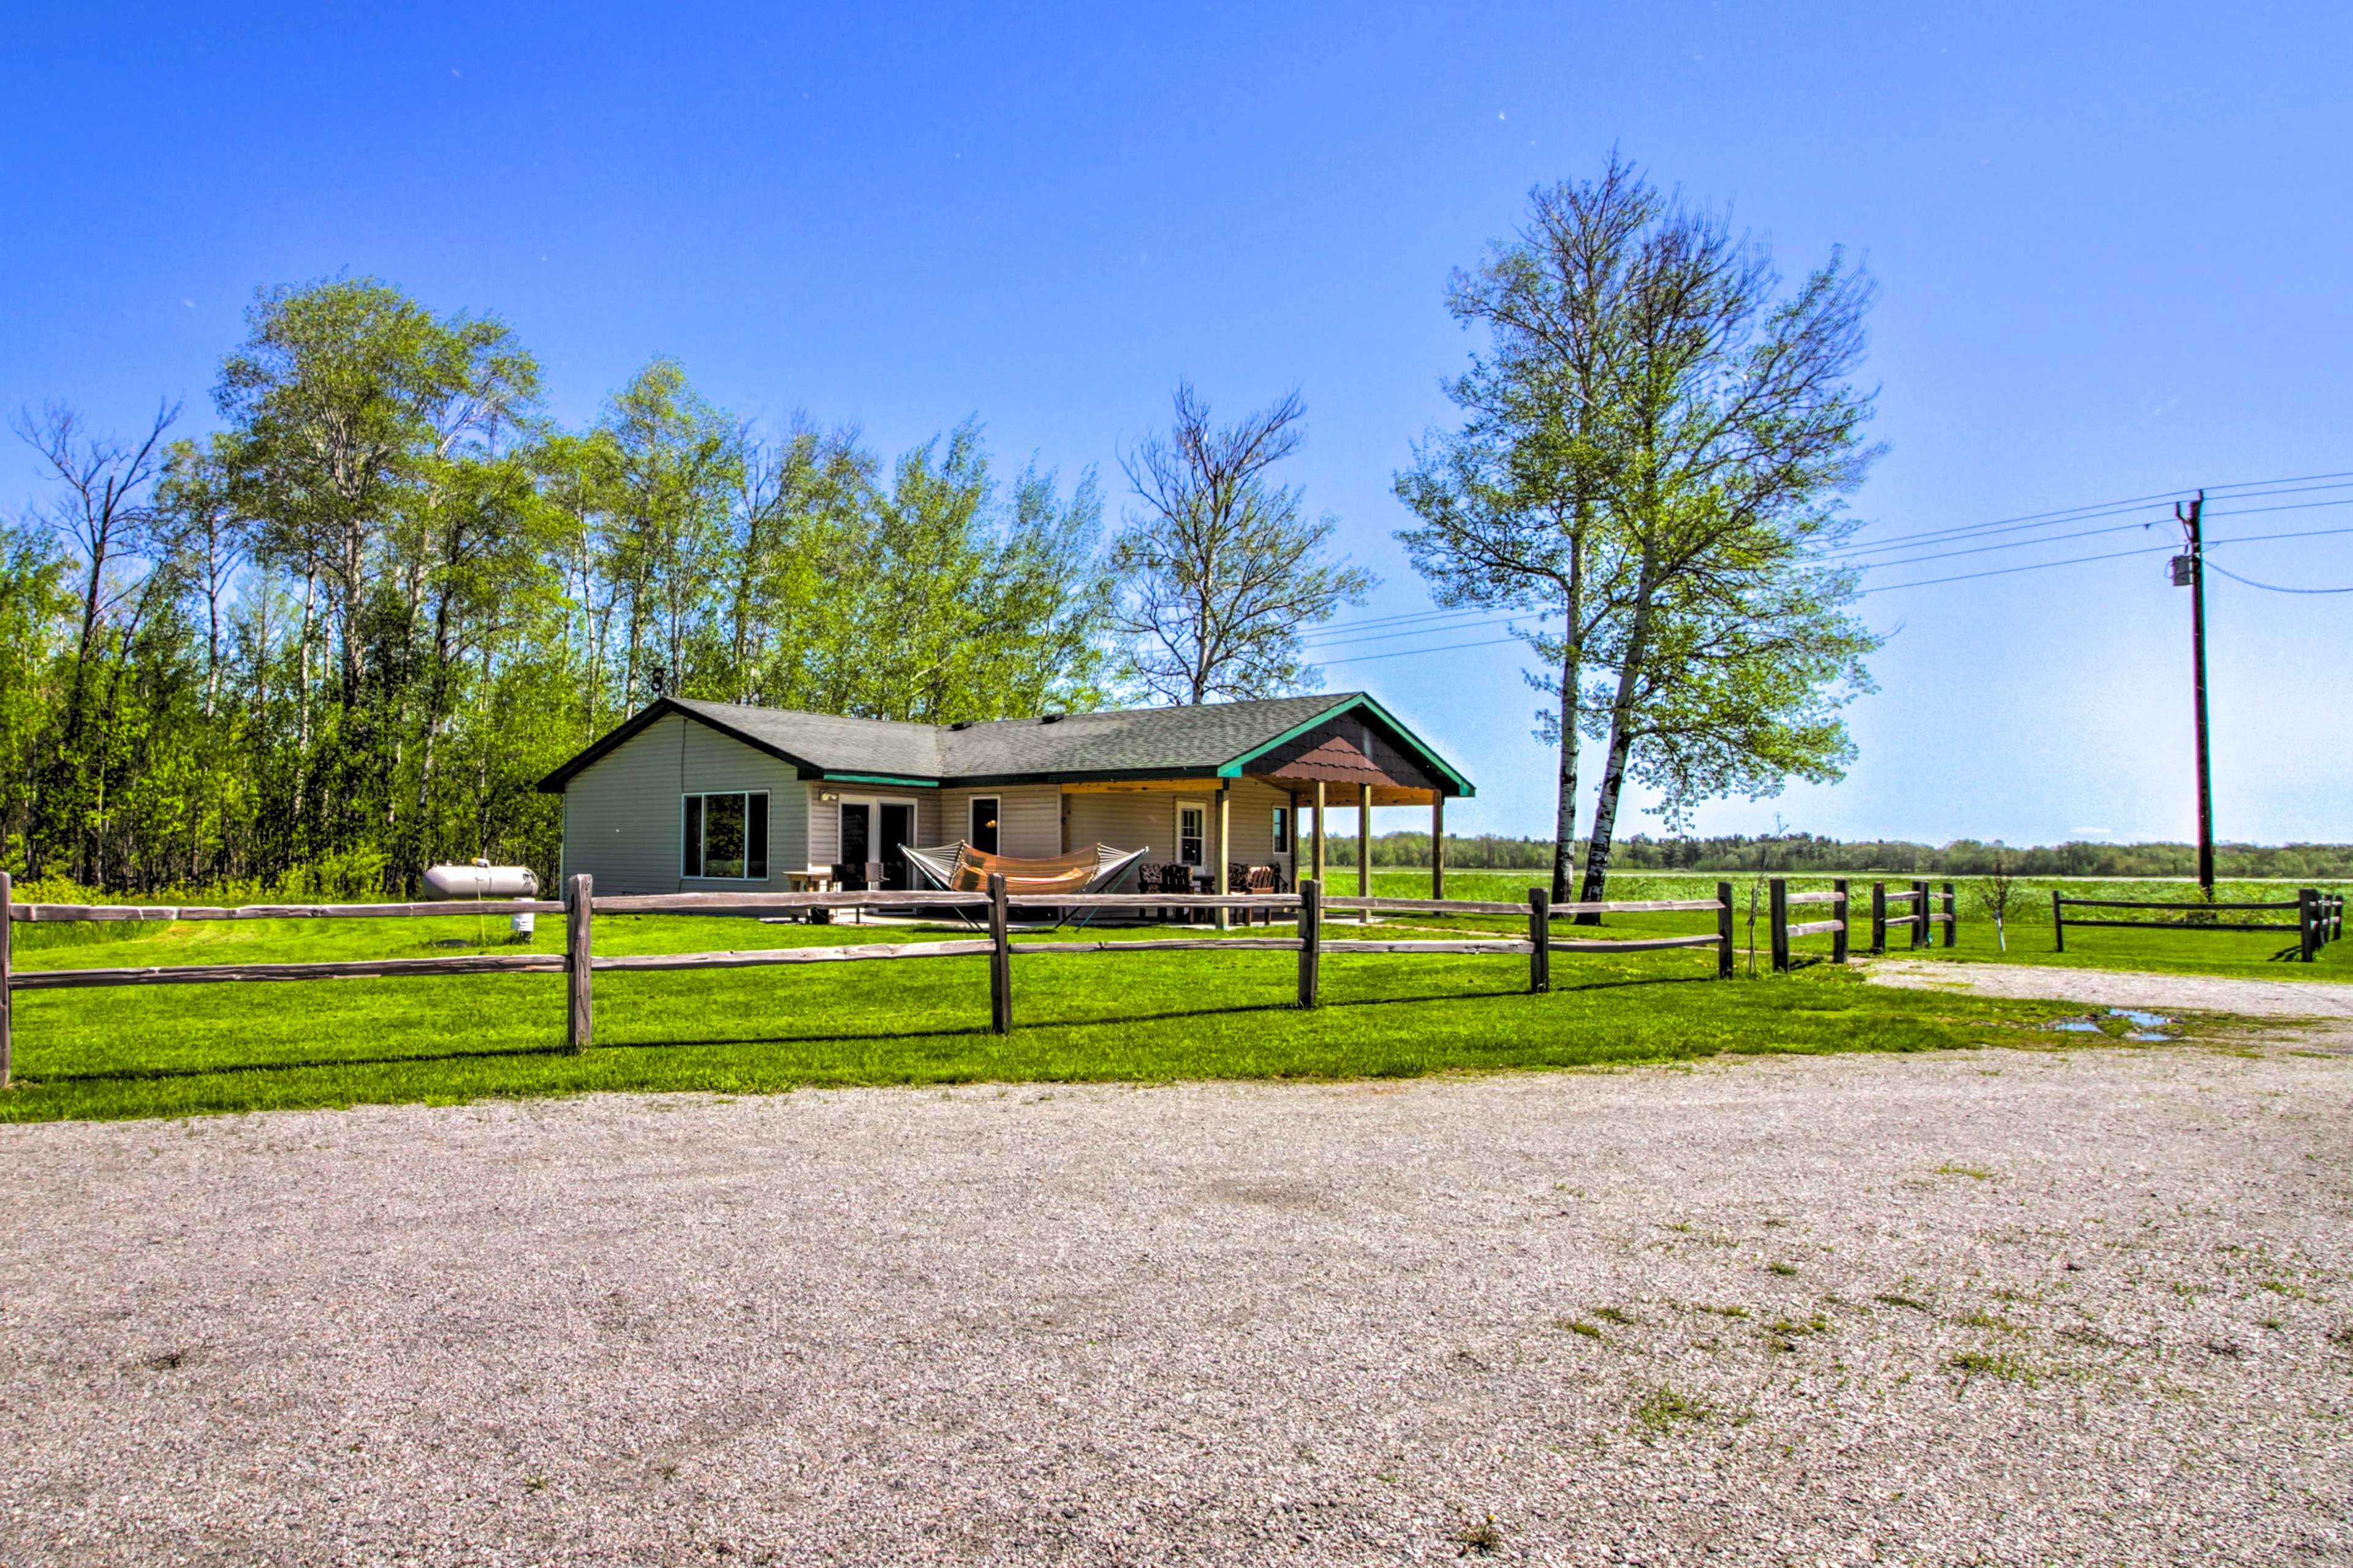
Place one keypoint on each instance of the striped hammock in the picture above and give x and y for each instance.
(960, 868)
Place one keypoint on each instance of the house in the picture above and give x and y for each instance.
(692, 797)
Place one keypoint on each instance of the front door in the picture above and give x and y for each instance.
(897, 827)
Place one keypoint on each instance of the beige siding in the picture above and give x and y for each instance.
(1028, 818)
(1148, 822)
(622, 817)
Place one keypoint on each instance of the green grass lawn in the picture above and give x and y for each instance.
(186, 1050)
(2263, 955)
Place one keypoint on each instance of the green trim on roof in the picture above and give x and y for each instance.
(878, 778)
(1462, 787)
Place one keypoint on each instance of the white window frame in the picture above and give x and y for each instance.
(701, 873)
(1202, 864)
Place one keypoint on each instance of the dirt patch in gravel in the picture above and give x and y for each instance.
(2079, 1305)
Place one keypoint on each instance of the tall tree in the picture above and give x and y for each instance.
(1223, 573)
(1736, 430)
(1512, 506)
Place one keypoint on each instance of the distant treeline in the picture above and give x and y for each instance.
(1803, 852)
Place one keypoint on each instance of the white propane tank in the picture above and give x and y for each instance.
(482, 881)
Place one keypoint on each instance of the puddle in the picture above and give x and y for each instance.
(2146, 1024)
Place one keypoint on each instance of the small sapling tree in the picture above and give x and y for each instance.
(1996, 890)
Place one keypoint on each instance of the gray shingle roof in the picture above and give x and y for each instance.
(1120, 741)
(1134, 742)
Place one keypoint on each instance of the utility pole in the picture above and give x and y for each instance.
(2189, 571)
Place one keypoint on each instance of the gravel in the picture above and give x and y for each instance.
(2082, 1305)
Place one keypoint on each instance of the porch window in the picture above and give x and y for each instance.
(725, 836)
(1283, 830)
(984, 824)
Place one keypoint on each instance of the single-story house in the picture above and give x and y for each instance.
(713, 796)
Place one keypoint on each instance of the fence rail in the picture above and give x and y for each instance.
(2319, 917)
(579, 963)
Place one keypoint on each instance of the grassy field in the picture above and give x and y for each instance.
(179, 1050)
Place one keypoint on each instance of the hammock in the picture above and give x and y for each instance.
(958, 867)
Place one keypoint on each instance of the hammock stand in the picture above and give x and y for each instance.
(958, 867)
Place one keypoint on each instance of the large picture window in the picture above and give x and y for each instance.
(726, 835)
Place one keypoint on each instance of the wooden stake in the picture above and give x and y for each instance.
(2308, 921)
(1952, 925)
(1921, 936)
(579, 958)
(1539, 941)
(1778, 912)
(1878, 917)
(1000, 959)
(2058, 923)
(1724, 931)
(1837, 937)
(1311, 937)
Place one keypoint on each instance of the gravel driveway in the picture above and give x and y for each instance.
(2091, 1305)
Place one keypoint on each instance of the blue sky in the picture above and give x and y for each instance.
(2112, 244)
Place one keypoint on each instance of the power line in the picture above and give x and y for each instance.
(1415, 632)
(2275, 588)
(1404, 652)
(2112, 555)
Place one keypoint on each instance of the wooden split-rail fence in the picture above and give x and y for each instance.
(2319, 917)
(1919, 897)
(579, 963)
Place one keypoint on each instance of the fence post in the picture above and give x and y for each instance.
(1952, 918)
(579, 975)
(1878, 917)
(8, 946)
(1920, 937)
(1539, 941)
(1000, 959)
(2058, 923)
(1778, 912)
(1311, 939)
(2307, 922)
(1838, 937)
(1724, 931)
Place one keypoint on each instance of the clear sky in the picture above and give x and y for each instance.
(2112, 240)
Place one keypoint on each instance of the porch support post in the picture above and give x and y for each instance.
(1317, 873)
(1225, 849)
(1365, 848)
(1437, 845)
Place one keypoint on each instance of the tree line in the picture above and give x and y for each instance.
(1795, 854)
(341, 635)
